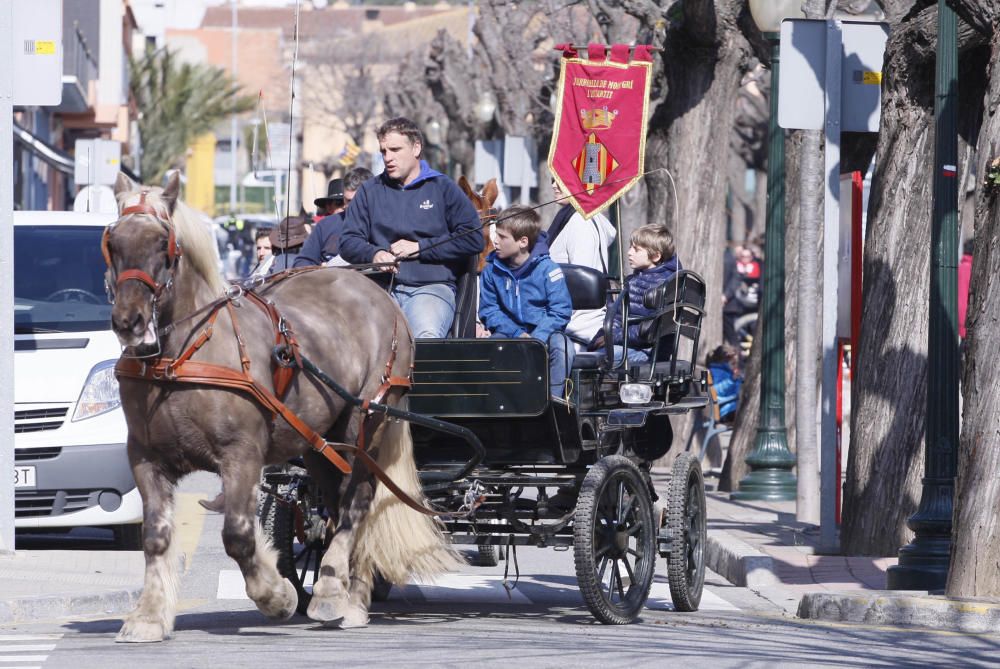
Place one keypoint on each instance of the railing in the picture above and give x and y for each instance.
(80, 62)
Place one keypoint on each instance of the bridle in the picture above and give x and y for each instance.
(174, 254)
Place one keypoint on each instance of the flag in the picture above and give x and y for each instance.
(599, 140)
(349, 155)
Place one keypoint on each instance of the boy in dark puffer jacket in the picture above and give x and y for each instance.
(653, 257)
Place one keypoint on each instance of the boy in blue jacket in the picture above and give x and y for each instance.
(523, 292)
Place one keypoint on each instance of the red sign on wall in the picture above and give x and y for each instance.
(599, 140)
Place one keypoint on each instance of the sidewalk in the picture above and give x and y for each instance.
(51, 584)
(760, 545)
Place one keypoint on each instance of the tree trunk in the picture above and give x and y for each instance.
(975, 553)
(888, 399)
(889, 394)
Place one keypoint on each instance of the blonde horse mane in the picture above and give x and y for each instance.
(197, 244)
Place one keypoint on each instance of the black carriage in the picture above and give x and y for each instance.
(508, 465)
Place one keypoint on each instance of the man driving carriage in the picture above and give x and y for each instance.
(419, 223)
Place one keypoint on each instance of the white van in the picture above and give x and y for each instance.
(71, 467)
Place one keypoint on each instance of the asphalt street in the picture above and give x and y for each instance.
(469, 618)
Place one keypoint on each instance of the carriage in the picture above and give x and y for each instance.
(507, 465)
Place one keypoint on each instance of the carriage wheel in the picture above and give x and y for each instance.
(685, 518)
(614, 540)
(487, 556)
(295, 560)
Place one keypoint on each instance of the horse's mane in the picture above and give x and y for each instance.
(197, 244)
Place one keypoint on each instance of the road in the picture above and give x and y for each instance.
(468, 619)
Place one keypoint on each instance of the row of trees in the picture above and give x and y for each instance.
(706, 111)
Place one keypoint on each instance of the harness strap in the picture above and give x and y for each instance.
(208, 374)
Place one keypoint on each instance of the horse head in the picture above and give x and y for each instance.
(143, 252)
(483, 202)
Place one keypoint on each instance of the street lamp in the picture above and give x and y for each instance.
(486, 107)
(924, 562)
(770, 460)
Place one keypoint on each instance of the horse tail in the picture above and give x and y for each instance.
(394, 539)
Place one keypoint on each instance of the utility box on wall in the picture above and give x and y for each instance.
(98, 162)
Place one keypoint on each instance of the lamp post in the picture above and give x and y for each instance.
(923, 563)
(770, 460)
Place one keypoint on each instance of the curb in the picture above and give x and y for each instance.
(738, 562)
(51, 607)
(913, 608)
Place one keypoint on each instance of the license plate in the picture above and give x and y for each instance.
(24, 477)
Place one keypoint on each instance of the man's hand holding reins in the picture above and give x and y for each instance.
(387, 260)
(404, 248)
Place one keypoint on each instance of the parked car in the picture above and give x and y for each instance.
(70, 464)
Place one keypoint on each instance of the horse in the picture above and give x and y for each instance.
(182, 330)
(483, 202)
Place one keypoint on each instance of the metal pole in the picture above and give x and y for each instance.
(829, 541)
(923, 563)
(234, 140)
(7, 281)
(770, 460)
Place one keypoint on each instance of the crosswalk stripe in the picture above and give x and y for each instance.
(23, 658)
(29, 637)
(659, 598)
(34, 648)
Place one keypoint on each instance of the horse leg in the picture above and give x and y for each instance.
(246, 543)
(153, 617)
(331, 602)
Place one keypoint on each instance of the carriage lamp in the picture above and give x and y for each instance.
(635, 393)
(100, 392)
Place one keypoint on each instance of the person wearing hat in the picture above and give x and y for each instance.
(323, 245)
(333, 202)
(286, 242)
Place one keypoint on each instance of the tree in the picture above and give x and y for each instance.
(975, 569)
(889, 394)
(178, 102)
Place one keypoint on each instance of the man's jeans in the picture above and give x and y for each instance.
(429, 309)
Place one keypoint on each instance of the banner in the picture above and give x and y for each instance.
(599, 140)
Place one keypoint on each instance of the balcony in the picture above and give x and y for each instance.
(79, 69)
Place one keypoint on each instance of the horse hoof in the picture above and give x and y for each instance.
(327, 610)
(355, 616)
(281, 606)
(141, 631)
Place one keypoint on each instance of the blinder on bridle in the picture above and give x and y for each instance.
(173, 252)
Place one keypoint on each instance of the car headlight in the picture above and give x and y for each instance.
(100, 392)
(635, 393)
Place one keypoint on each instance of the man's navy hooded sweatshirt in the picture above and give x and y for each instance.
(431, 210)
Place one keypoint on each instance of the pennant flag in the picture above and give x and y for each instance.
(599, 140)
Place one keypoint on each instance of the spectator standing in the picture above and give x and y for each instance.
(727, 379)
(264, 255)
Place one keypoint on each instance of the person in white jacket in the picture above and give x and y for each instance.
(575, 240)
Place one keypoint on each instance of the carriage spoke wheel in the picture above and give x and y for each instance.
(300, 550)
(685, 518)
(614, 540)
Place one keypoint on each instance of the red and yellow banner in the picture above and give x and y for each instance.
(599, 140)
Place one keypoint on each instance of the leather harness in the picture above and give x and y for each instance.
(183, 369)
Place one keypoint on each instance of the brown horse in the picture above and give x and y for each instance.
(483, 202)
(180, 325)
